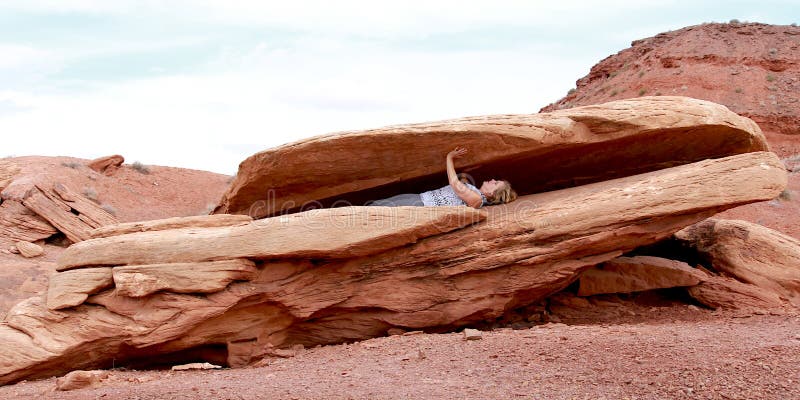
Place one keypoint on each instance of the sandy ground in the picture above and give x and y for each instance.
(674, 352)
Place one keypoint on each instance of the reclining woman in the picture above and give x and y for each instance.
(457, 193)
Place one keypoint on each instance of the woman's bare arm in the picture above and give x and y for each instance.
(468, 195)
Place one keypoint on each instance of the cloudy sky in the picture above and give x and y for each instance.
(203, 84)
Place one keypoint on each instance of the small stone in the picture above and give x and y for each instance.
(186, 367)
(693, 307)
(395, 331)
(472, 334)
(413, 333)
(29, 250)
(283, 353)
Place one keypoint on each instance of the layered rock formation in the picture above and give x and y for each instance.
(636, 274)
(752, 68)
(753, 254)
(235, 292)
(53, 201)
(537, 153)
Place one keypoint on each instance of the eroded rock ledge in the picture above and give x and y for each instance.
(234, 289)
(536, 152)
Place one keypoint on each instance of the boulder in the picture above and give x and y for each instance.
(68, 211)
(107, 165)
(200, 221)
(536, 152)
(80, 379)
(201, 277)
(636, 274)
(29, 250)
(749, 252)
(71, 288)
(349, 273)
(730, 294)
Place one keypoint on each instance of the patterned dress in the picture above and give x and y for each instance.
(446, 196)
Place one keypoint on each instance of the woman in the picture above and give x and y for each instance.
(457, 193)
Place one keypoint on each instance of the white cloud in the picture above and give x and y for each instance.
(268, 97)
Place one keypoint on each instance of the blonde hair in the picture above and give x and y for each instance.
(503, 194)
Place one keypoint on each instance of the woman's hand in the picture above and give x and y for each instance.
(457, 152)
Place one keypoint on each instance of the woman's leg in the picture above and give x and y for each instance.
(405, 199)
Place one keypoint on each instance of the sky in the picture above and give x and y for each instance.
(204, 84)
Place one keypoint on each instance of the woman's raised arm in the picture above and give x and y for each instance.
(462, 191)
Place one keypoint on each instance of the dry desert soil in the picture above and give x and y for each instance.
(672, 352)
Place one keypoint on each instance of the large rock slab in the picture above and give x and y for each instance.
(70, 212)
(203, 277)
(200, 221)
(730, 294)
(749, 252)
(536, 152)
(636, 274)
(327, 233)
(514, 255)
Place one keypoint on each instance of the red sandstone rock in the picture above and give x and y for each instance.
(18, 223)
(29, 250)
(536, 152)
(200, 277)
(320, 281)
(131, 196)
(71, 288)
(200, 221)
(635, 274)
(728, 293)
(80, 379)
(70, 212)
(751, 68)
(107, 165)
(751, 253)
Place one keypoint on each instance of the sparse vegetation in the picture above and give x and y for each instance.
(734, 21)
(738, 90)
(613, 93)
(109, 209)
(658, 93)
(770, 78)
(641, 74)
(642, 92)
(571, 91)
(141, 168)
(71, 164)
(613, 74)
(794, 24)
(90, 193)
(786, 195)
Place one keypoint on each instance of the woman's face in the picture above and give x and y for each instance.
(491, 186)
